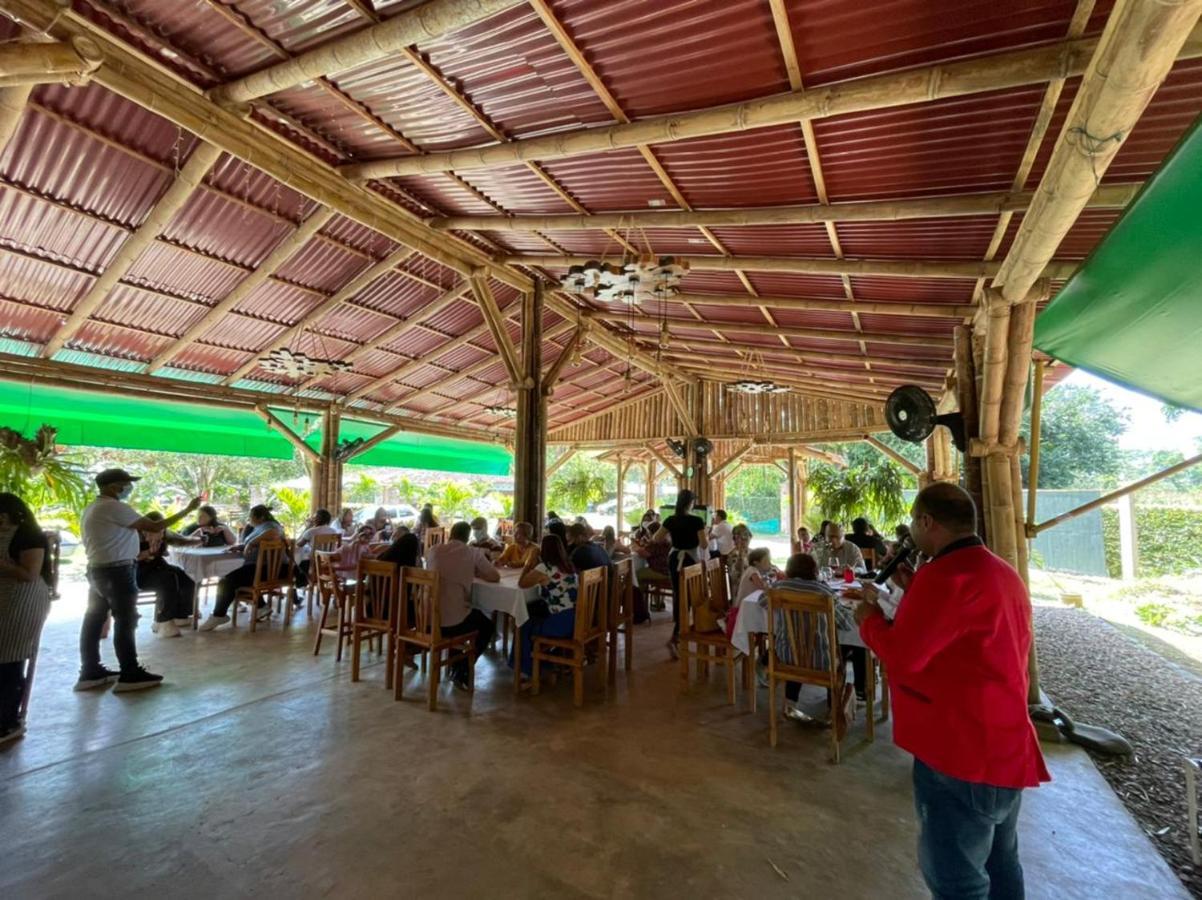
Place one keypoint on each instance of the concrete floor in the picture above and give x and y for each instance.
(260, 769)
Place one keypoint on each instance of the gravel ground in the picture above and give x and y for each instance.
(1100, 677)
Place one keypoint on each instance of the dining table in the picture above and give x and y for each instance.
(753, 618)
(203, 564)
(509, 598)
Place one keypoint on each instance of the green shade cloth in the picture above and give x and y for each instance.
(1132, 314)
(96, 419)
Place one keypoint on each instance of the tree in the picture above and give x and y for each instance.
(452, 500)
(577, 484)
(870, 486)
(291, 507)
(1079, 443)
(50, 483)
(1139, 464)
(364, 490)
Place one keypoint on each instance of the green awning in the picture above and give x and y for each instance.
(97, 419)
(1132, 313)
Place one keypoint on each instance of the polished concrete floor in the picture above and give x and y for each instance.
(258, 769)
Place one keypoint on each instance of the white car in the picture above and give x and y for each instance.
(404, 514)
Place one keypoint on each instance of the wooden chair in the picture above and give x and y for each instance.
(621, 615)
(656, 587)
(505, 529)
(590, 629)
(331, 597)
(321, 543)
(808, 618)
(419, 625)
(273, 578)
(869, 555)
(434, 536)
(375, 613)
(693, 597)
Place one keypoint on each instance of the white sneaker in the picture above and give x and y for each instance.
(212, 622)
(166, 629)
(183, 623)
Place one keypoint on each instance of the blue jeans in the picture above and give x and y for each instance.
(113, 590)
(556, 625)
(968, 837)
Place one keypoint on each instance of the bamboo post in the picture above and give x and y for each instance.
(530, 431)
(375, 42)
(1034, 449)
(966, 390)
(791, 481)
(621, 466)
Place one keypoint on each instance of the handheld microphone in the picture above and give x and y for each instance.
(904, 548)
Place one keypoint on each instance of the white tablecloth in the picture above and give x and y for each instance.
(203, 563)
(504, 595)
(753, 619)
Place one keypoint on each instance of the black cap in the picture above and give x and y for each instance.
(115, 476)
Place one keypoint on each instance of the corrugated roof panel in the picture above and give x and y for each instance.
(279, 302)
(618, 181)
(44, 154)
(362, 238)
(417, 344)
(323, 266)
(915, 290)
(435, 273)
(219, 227)
(675, 241)
(513, 69)
(730, 314)
(320, 345)
(953, 146)
(811, 318)
(964, 237)
(117, 341)
(677, 54)
(354, 323)
(395, 295)
(299, 24)
(764, 167)
(588, 243)
(696, 281)
(518, 189)
(41, 282)
(838, 41)
(457, 318)
(53, 232)
(122, 120)
(783, 284)
(177, 271)
(242, 333)
(127, 305)
(338, 122)
(878, 324)
(22, 322)
(250, 184)
(445, 194)
(208, 358)
(775, 240)
(97, 361)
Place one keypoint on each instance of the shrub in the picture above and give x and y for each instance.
(1170, 540)
(1153, 613)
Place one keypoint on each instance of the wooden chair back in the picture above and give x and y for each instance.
(420, 613)
(591, 604)
(54, 548)
(434, 536)
(869, 555)
(717, 584)
(621, 593)
(273, 564)
(376, 594)
(326, 542)
(692, 595)
(329, 586)
(505, 529)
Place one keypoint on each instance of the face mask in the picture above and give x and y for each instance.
(125, 492)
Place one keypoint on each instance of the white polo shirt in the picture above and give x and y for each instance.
(723, 535)
(107, 535)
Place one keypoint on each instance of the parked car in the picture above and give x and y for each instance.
(404, 514)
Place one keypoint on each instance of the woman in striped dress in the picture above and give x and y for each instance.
(24, 604)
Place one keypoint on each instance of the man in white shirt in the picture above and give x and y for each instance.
(722, 535)
(838, 553)
(110, 529)
(458, 565)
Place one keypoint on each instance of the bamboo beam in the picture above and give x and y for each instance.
(347, 292)
(1034, 448)
(664, 461)
(893, 455)
(12, 107)
(732, 459)
(613, 407)
(1015, 68)
(283, 251)
(202, 159)
(891, 268)
(552, 374)
(911, 339)
(1114, 196)
(374, 441)
(802, 380)
(31, 62)
(686, 418)
(428, 22)
(289, 435)
(789, 353)
(932, 375)
(882, 307)
(563, 457)
(496, 325)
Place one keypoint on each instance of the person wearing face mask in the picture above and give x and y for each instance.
(481, 538)
(110, 529)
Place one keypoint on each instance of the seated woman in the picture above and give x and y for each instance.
(736, 562)
(262, 523)
(804, 543)
(346, 559)
(554, 613)
(380, 524)
(174, 590)
(318, 525)
(522, 552)
(614, 548)
(801, 574)
(346, 522)
(481, 539)
(212, 532)
(425, 520)
(405, 550)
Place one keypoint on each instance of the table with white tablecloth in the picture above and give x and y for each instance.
(505, 596)
(753, 619)
(203, 564)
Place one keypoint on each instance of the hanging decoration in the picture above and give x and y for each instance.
(751, 383)
(643, 280)
(504, 412)
(296, 365)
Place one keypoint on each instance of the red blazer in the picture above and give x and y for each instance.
(956, 656)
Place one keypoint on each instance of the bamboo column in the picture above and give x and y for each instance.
(530, 434)
(966, 389)
(791, 471)
(622, 468)
(651, 484)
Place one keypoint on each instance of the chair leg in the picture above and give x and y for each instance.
(578, 684)
(537, 671)
(342, 635)
(254, 612)
(628, 640)
(309, 602)
(870, 696)
(321, 627)
(684, 664)
(773, 712)
(388, 667)
(884, 694)
(730, 675)
(356, 645)
(398, 675)
(612, 654)
(471, 669)
(432, 682)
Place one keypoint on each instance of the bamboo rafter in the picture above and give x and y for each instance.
(32, 62)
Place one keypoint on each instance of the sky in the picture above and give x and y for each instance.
(1147, 429)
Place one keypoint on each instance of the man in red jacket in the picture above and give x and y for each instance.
(956, 655)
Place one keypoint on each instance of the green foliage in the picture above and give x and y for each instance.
(505, 502)
(577, 484)
(1170, 540)
(1153, 613)
(870, 486)
(754, 495)
(1137, 464)
(50, 483)
(452, 500)
(408, 492)
(364, 490)
(1079, 439)
(291, 507)
(634, 517)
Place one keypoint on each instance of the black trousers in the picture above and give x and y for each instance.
(173, 589)
(475, 621)
(113, 590)
(12, 685)
(228, 586)
(859, 666)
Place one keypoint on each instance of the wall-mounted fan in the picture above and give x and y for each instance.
(911, 415)
(678, 447)
(702, 447)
